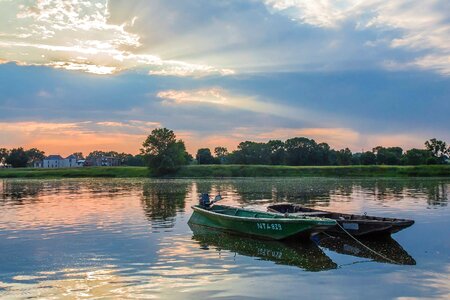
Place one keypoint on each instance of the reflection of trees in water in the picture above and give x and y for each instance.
(247, 191)
(23, 191)
(310, 190)
(20, 191)
(384, 190)
(161, 200)
(438, 194)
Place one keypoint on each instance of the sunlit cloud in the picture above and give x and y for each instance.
(414, 25)
(78, 35)
(105, 37)
(222, 98)
(317, 13)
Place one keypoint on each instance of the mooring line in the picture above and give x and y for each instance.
(371, 250)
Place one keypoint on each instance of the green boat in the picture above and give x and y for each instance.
(260, 224)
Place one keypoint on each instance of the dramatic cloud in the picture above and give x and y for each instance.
(77, 35)
(200, 38)
(419, 26)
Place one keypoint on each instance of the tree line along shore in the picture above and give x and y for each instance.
(166, 156)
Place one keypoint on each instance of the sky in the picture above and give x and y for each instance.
(80, 75)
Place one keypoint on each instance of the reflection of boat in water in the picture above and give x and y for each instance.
(356, 225)
(304, 255)
(386, 246)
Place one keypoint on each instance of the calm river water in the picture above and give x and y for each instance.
(130, 239)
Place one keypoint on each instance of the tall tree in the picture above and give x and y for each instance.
(17, 158)
(300, 151)
(204, 157)
(388, 156)
(163, 152)
(221, 154)
(416, 157)
(251, 153)
(344, 157)
(34, 155)
(368, 158)
(277, 152)
(439, 149)
(322, 154)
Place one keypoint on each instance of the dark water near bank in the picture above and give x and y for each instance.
(130, 239)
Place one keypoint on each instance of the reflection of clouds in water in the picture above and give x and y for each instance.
(79, 283)
(433, 284)
(439, 282)
(181, 267)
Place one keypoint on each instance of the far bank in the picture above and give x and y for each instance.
(218, 171)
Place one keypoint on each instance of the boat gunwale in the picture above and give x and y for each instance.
(283, 218)
(374, 220)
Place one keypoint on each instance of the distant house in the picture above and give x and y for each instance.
(53, 161)
(70, 161)
(103, 161)
(57, 161)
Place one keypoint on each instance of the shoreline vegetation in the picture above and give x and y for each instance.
(229, 171)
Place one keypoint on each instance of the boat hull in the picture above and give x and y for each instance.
(276, 228)
(305, 254)
(357, 225)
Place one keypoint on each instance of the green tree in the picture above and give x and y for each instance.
(438, 149)
(204, 157)
(131, 160)
(251, 153)
(221, 154)
(277, 152)
(388, 156)
(322, 154)
(344, 157)
(301, 151)
(163, 153)
(356, 158)
(17, 158)
(368, 158)
(34, 155)
(416, 157)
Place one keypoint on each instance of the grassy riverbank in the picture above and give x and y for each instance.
(212, 171)
(113, 172)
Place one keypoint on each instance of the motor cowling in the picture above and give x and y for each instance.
(204, 200)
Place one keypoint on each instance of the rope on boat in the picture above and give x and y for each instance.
(367, 247)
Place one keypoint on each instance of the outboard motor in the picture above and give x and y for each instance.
(204, 200)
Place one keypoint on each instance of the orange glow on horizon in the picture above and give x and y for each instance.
(85, 137)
